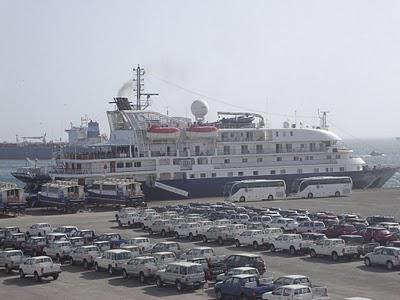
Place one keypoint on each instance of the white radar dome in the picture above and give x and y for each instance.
(199, 109)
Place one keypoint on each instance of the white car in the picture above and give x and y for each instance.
(296, 292)
(292, 242)
(59, 250)
(189, 230)
(85, 255)
(142, 242)
(112, 260)
(334, 248)
(38, 267)
(143, 267)
(286, 224)
(39, 229)
(128, 219)
(11, 259)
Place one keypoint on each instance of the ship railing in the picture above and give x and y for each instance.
(273, 164)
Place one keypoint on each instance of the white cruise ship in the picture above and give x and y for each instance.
(179, 157)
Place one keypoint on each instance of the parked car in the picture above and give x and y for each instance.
(143, 267)
(112, 260)
(243, 286)
(182, 275)
(39, 267)
(85, 255)
(11, 259)
(246, 260)
(385, 256)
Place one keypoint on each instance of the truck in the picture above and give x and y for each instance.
(335, 248)
(242, 286)
(296, 292)
(39, 267)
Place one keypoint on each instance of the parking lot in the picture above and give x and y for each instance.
(343, 279)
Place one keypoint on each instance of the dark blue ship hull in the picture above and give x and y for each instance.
(213, 187)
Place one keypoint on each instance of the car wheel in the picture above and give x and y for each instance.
(220, 241)
(367, 262)
(96, 267)
(270, 197)
(110, 270)
(237, 243)
(205, 239)
(272, 248)
(337, 194)
(219, 295)
(179, 286)
(310, 195)
(242, 199)
(36, 276)
(389, 265)
(255, 245)
(313, 253)
(292, 250)
(55, 277)
(142, 278)
(124, 274)
(335, 256)
(21, 274)
(159, 282)
(190, 236)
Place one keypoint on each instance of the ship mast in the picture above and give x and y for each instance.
(139, 90)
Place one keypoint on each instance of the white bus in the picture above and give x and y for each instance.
(253, 190)
(327, 186)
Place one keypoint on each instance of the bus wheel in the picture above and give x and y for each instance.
(337, 194)
(242, 199)
(270, 197)
(310, 195)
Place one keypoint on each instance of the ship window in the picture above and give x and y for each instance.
(120, 165)
(341, 169)
(279, 158)
(230, 174)
(138, 164)
(259, 159)
(273, 172)
(128, 165)
(244, 160)
(240, 173)
(192, 176)
(299, 171)
(213, 174)
(316, 170)
(255, 173)
(203, 175)
(283, 171)
(227, 161)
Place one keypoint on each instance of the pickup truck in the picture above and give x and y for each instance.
(243, 286)
(296, 292)
(39, 267)
(34, 245)
(335, 248)
(294, 243)
(11, 259)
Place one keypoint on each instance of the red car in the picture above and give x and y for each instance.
(378, 234)
(336, 230)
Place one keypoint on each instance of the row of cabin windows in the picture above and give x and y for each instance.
(272, 172)
(136, 164)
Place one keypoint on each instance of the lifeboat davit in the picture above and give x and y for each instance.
(202, 132)
(163, 133)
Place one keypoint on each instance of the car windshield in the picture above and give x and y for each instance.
(123, 255)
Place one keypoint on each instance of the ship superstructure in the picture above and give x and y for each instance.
(174, 156)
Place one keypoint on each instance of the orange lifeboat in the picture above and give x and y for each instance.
(202, 132)
(163, 133)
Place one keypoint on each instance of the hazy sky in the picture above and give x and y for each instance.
(60, 60)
